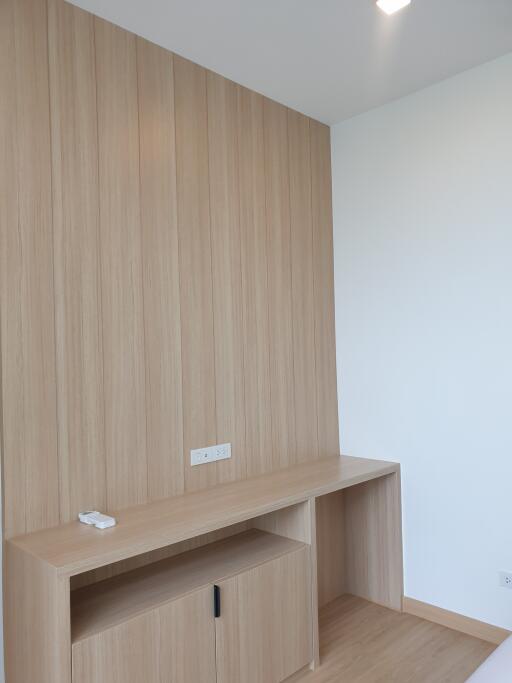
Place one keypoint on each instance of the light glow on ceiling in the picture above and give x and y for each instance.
(392, 6)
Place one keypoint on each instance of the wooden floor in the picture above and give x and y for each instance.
(363, 643)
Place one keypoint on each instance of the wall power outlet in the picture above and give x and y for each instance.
(506, 579)
(201, 456)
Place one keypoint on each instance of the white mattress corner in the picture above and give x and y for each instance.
(497, 668)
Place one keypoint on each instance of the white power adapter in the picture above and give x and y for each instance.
(95, 518)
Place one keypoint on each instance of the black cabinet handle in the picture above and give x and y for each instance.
(216, 601)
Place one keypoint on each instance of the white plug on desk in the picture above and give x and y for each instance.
(95, 518)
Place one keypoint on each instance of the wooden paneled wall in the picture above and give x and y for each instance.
(166, 272)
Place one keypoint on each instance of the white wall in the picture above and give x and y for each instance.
(423, 260)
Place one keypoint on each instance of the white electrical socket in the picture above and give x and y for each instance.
(506, 579)
(201, 456)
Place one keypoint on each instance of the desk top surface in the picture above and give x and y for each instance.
(75, 548)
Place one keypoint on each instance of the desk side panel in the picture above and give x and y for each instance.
(330, 538)
(373, 541)
(36, 621)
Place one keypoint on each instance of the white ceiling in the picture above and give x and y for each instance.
(330, 59)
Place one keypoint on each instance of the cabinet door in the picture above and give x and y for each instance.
(172, 644)
(187, 639)
(264, 631)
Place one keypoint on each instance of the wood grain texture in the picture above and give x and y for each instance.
(114, 601)
(227, 274)
(299, 523)
(323, 274)
(37, 617)
(81, 406)
(183, 624)
(166, 276)
(363, 643)
(144, 559)
(172, 643)
(121, 259)
(254, 258)
(315, 630)
(303, 303)
(282, 381)
(11, 423)
(256, 643)
(283, 502)
(330, 538)
(198, 350)
(74, 548)
(28, 335)
(128, 653)
(292, 522)
(457, 622)
(373, 541)
(159, 227)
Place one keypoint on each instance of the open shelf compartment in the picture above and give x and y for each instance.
(103, 605)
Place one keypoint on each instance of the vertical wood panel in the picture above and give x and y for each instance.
(227, 276)
(77, 260)
(28, 335)
(188, 232)
(258, 425)
(198, 358)
(35, 215)
(123, 328)
(282, 387)
(373, 541)
(161, 271)
(330, 518)
(37, 618)
(302, 287)
(323, 260)
(315, 636)
(11, 425)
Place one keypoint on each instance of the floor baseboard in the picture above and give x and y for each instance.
(457, 622)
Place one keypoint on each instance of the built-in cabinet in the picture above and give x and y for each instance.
(223, 585)
(236, 610)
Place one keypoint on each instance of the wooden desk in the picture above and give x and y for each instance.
(39, 566)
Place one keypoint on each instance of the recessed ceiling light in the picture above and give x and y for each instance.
(392, 6)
